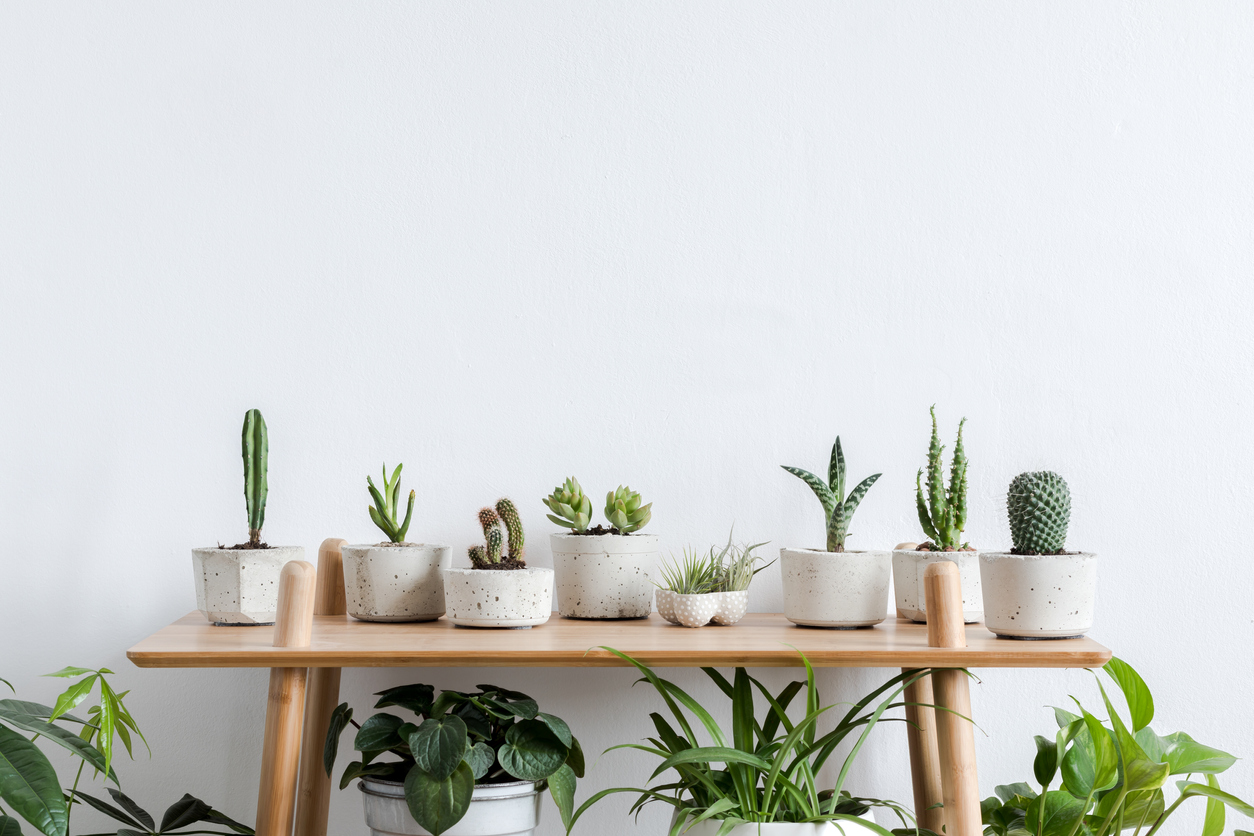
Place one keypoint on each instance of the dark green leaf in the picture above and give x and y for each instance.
(29, 785)
(1140, 700)
(1056, 812)
(357, 769)
(340, 719)
(438, 805)
(140, 814)
(221, 818)
(574, 758)
(562, 788)
(524, 709)
(106, 808)
(480, 758)
(187, 810)
(531, 751)
(34, 709)
(417, 698)
(1045, 767)
(438, 745)
(821, 490)
(9, 826)
(60, 736)
(378, 734)
(558, 726)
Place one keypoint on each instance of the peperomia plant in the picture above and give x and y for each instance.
(1039, 507)
(387, 504)
(624, 509)
(256, 444)
(499, 553)
(1112, 775)
(460, 739)
(943, 514)
(837, 508)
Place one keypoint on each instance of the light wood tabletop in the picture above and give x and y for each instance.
(760, 640)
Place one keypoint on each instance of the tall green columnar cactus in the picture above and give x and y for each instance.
(387, 504)
(837, 508)
(256, 464)
(1039, 507)
(513, 527)
(490, 555)
(624, 511)
(943, 514)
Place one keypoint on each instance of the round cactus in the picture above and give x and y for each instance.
(1039, 507)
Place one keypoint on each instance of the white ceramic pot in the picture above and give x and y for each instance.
(395, 582)
(908, 581)
(732, 607)
(240, 586)
(835, 589)
(696, 610)
(710, 827)
(604, 575)
(511, 809)
(1049, 596)
(499, 597)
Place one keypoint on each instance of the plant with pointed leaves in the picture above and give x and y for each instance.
(624, 510)
(460, 739)
(187, 812)
(943, 514)
(387, 504)
(570, 507)
(837, 508)
(492, 555)
(256, 447)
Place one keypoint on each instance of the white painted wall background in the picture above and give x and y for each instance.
(674, 245)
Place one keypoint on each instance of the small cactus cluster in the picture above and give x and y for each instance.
(571, 508)
(624, 511)
(256, 465)
(944, 512)
(837, 508)
(501, 550)
(1039, 507)
(386, 505)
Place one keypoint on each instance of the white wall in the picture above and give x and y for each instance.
(673, 245)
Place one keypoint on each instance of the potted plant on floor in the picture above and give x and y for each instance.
(500, 589)
(1038, 590)
(602, 572)
(833, 587)
(394, 580)
(240, 585)
(470, 764)
(943, 515)
(763, 778)
(710, 588)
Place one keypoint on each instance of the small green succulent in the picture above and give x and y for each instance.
(624, 511)
(387, 504)
(570, 506)
(837, 508)
(943, 514)
(1039, 507)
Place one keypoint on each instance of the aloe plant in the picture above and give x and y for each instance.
(837, 508)
(387, 504)
(943, 514)
(256, 443)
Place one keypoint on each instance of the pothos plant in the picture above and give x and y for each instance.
(460, 739)
(1112, 776)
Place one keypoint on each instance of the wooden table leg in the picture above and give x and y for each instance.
(954, 734)
(285, 706)
(925, 771)
(313, 794)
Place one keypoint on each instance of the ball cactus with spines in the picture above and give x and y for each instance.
(256, 447)
(570, 507)
(837, 508)
(387, 505)
(943, 513)
(624, 511)
(1039, 507)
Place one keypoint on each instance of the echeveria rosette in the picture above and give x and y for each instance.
(624, 510)
(570, 507)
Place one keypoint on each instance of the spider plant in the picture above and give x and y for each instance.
(765, 770)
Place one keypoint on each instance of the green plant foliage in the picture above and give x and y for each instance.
(765, 770)
(460, 739)
(187, 812)
(624, 510)
(837, 508)
(570, 507)
(387, 505)
(256, 443)
(943, 513)
(729, 569)
(497, 551)
(1039, 507)
(1112, 774)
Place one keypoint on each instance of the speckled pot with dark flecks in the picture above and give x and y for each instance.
(835, 589)
(499, 597)
(908, 582)
(1039, 596)
(386, 582)
(604, 575)
(240, 587)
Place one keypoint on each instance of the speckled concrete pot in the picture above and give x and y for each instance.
(732, 607)
(240, 586)
(696, 610)
(666, 605)
(604, 575)
(499, 597)
(1049, 596)
(835, 589)
(908, 569)
(395, 582)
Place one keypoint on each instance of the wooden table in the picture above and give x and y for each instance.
(305, 652)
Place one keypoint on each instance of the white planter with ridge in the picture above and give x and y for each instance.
(499, 597)
(1048, 596)
(395, 582)
(605, 575)
(240, 587)
(835, 589)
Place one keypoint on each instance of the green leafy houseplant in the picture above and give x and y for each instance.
(501, 551)
(943, 513)
(765, 770)
(570, 508)
(1112, 775)
(387, 504)
(729, 569)
(492, 735)
(30, 789)
(837, 508)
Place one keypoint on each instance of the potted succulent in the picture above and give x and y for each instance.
(500, 589)
(394, 580)
(710, 588)
(763, 778)
(943, 515)
(833, 587)
(239, 585)
(470, 764)
(602, 572)
(1038, 590)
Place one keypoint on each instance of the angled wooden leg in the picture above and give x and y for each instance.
(925, 770)
(285, 707)
(954, 735)
(313, 795)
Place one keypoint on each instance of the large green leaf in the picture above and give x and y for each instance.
(1190, 790)
(1079, 766)
(73, 696)
(480, 758)
(531, 752)
(438, 745)
(187, 810)
(1045, 766)
(1106, 767)
(1185, 756)
(1135, 691)
(438, 805)
(29, 785)
(357, 769)
(1213, 824)
(60, 736)
(574, 758)
(340, 719)
(417, 698)
(107, 808)
(562, 788)
(1056, 813)
(35, 709)
(558, 726)
(378, 733)
(9, 826)
(124, 801)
